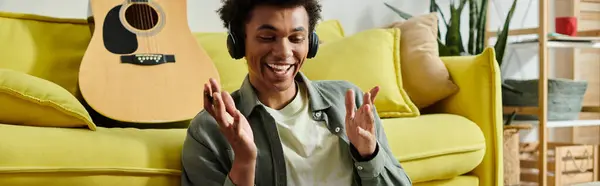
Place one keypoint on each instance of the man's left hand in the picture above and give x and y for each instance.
(360, 123)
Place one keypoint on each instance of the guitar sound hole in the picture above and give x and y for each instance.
(141, 16)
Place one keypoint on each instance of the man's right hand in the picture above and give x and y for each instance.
(235, 128)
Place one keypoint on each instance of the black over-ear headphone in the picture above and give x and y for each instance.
(237, 47)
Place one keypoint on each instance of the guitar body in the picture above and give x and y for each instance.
(143, 64)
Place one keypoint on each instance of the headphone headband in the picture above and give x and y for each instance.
(236, 45)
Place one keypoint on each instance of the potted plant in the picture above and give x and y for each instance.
(452, 43)
(565, 96)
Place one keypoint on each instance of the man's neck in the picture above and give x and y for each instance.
(278, 100)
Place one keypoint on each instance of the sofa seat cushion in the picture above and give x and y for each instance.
(456, 181)
(435, 146)
(109, 156)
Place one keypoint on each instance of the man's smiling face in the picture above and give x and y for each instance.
(276, 46)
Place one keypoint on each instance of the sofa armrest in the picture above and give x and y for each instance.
(479, 99)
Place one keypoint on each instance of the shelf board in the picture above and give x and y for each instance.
(534, 110)
(556, 44)
(557, 124)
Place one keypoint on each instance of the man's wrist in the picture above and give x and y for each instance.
(370, 166)
(366, 157)
(242, 172)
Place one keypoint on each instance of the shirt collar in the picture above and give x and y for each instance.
(249, 100)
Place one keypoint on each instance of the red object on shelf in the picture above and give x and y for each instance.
(566, 25)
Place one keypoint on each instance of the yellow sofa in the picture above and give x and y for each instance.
(457, 142)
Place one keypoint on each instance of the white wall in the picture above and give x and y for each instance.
(354, 15)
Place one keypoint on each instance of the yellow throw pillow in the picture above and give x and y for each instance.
(232, 72)
(32, 101)
(46, 47)
(425, 77)
(329, 30)
(367, 59)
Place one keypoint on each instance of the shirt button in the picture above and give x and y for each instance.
(318, 115)
(337, 129)
(359, 168)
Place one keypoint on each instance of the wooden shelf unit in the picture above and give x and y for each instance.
(588, 14)
(567, 164)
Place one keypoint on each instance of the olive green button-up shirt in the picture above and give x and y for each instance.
(207, 157)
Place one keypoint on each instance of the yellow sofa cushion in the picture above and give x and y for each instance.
(369, 58)
(45, 47)
(231, 71)
(456, 181)
(435, 146)
(108, 156)
(29, 100)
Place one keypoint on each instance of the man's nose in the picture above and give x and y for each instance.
(283, 49)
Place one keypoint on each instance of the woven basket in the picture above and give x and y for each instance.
(512, 169)
(565, 97)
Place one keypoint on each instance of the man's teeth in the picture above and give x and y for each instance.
(279, 66)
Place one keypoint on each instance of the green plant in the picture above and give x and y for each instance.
(452, 44)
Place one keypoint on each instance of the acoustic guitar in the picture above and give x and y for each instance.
(143, 64)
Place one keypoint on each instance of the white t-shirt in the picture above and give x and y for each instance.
(313, 154)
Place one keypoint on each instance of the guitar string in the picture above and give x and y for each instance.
(138, 19)
(141, 25)
(152, 25)
(135, 20)
(156, 41)
(144, 19)
(148, 26)
(151, 11)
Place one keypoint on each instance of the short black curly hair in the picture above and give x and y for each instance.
(237, 12)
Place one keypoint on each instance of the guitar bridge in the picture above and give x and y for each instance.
(148, 59)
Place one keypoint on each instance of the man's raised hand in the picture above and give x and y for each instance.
(232, 123)
(360, 123)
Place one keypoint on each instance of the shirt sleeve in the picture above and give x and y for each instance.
(368, 167)
(200, 165)
(381, 169)
(228, 182)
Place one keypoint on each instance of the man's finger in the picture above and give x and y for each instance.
(220, 110)
(237, 118)
(361, 115)
(229, 104)
(374, 91)
(349, 104)
(214, 85)
(208, 106)
(209, 87)
(369, 118)
(367, 98)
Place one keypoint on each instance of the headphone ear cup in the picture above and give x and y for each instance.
(313, 45)
(230, 45)
(233, 47)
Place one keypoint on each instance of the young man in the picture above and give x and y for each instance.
(280, 128)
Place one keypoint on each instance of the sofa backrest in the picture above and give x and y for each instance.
(45, 47)
(52, 48)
